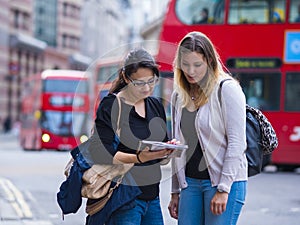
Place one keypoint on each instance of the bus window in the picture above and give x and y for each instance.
(256, 11)
(107, 74)
(292, 92)
(103, 74)
(294, 11)
(114, 72)
(64, 123)
(262, 90)
(70, 86)
(200, 11)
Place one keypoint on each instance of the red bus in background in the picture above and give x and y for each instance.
(106, 70)
(259, 42)
(55, 110)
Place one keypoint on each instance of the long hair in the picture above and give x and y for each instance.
(199, 43)
(137, 58)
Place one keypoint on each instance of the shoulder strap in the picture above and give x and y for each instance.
(220, 89)
(118, 129)
(269, 138)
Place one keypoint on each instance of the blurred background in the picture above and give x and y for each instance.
(65, 34)
(59, 57)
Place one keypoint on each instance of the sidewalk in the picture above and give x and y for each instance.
(13, 208)
(15, 211)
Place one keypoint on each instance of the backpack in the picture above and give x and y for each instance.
(260, 136)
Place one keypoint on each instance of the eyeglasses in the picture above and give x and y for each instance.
(141, 83)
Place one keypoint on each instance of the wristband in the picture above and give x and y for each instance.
(220, 190)
(137, 156)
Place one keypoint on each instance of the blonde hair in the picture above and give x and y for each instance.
(199, 43)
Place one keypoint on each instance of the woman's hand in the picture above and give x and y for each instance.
(173, 205)
(218, 203)
(146, 155)
(174, 142)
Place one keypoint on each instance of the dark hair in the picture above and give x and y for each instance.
(137, 58)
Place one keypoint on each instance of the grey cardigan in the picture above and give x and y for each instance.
(221, 133)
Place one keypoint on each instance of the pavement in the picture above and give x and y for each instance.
(13, 208)
(15, 211)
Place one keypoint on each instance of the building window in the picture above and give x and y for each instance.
(16, 16)
(71, 10)
(25, 24)
(65, 9)
(45, 21)
(70, 41)
(20, 19)
(41, 10)
(64, 40)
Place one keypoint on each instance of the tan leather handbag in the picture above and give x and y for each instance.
(97, 180)
(97, 184)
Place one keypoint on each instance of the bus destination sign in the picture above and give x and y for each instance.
(254, 63)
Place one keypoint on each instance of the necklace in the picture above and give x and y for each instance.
(194, 93)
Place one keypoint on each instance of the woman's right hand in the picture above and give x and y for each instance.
(173, 205)
(146, 155)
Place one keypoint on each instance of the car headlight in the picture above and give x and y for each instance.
(83, 138)
(45, 138)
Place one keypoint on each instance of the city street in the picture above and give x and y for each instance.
(61, 58)
(30, 180)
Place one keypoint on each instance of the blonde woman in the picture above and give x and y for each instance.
(210, 180)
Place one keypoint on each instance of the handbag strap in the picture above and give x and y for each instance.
(118, 130)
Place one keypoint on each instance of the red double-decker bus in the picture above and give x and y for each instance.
(106, 70)
(259, 42)
(55, 110)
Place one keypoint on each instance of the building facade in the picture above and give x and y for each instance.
(35, 35)
(113, 28)
(104, 27)
(65, 34)
(4, 57)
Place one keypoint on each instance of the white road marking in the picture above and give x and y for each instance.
(15, 199)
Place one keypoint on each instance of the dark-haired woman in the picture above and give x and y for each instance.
(142, 118)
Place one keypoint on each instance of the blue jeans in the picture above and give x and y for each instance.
(144, 213)
(194, 203)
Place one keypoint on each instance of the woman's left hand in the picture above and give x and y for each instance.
(218, 203)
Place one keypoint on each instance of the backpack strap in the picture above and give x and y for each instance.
(269, 138)
(220, 89)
